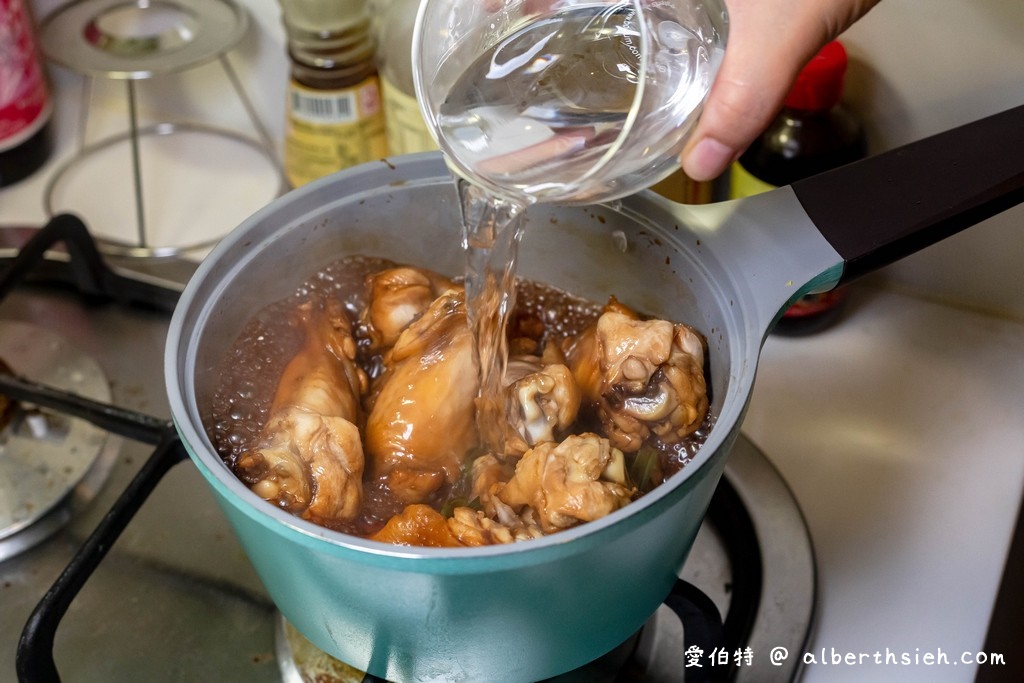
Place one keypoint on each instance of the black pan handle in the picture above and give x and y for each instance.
(876, 211)
(34, 662)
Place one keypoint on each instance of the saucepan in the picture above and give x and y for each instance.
(534, 609)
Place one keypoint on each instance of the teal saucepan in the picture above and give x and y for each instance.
(534, 609)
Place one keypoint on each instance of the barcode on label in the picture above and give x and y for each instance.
(324, 108)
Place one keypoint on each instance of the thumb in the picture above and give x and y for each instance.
(768, 44)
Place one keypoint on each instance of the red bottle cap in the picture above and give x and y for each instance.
(820, 83)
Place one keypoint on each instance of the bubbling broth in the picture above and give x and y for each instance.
(353, 403)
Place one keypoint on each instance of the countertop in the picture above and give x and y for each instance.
(901, 434)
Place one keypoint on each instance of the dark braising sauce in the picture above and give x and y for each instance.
(250, 372)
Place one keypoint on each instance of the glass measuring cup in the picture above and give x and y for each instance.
(567, 101)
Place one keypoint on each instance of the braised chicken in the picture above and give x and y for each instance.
(474, 527)
(395, 298)
(581, 479)
(422, 525)
(642, 378)
(377, 430)
(419, 525)
(309, 457)
(485, 472)
(542, 400)
(555, 486)
(422, 422)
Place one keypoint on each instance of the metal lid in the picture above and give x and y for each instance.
(49, 462)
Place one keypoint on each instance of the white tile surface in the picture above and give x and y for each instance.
(902, 435)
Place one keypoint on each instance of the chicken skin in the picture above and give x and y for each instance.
(395, 298)
(418, 525)
(555, 486)
(642, 378)
(581, 479)
(542, 400)
(309, 458)
(381, 415)
(422, 525)
(422, 422)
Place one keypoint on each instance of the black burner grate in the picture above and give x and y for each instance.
(86, 271)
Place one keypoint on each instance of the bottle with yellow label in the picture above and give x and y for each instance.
(334, 118)
(683, 189)
(812, 134)
(407, 132)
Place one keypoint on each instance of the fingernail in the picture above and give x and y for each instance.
(707, 159)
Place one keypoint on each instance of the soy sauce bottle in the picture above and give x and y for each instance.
(25, 105)
(812, 133)
(334, 118)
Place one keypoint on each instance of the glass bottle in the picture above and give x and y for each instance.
(334, 118)
(25, 105)
(683, 189)
(814, 132)
(407, 132)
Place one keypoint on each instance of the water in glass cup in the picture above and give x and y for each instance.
(577, 105)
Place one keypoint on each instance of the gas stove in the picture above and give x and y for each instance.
(88, 457)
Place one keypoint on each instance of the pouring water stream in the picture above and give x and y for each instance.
(583, 103)
(492, 230)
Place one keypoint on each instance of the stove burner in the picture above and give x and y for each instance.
(301, 661)
(50, 464)
(695, 618)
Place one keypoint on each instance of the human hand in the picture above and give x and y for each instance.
(770, 41)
